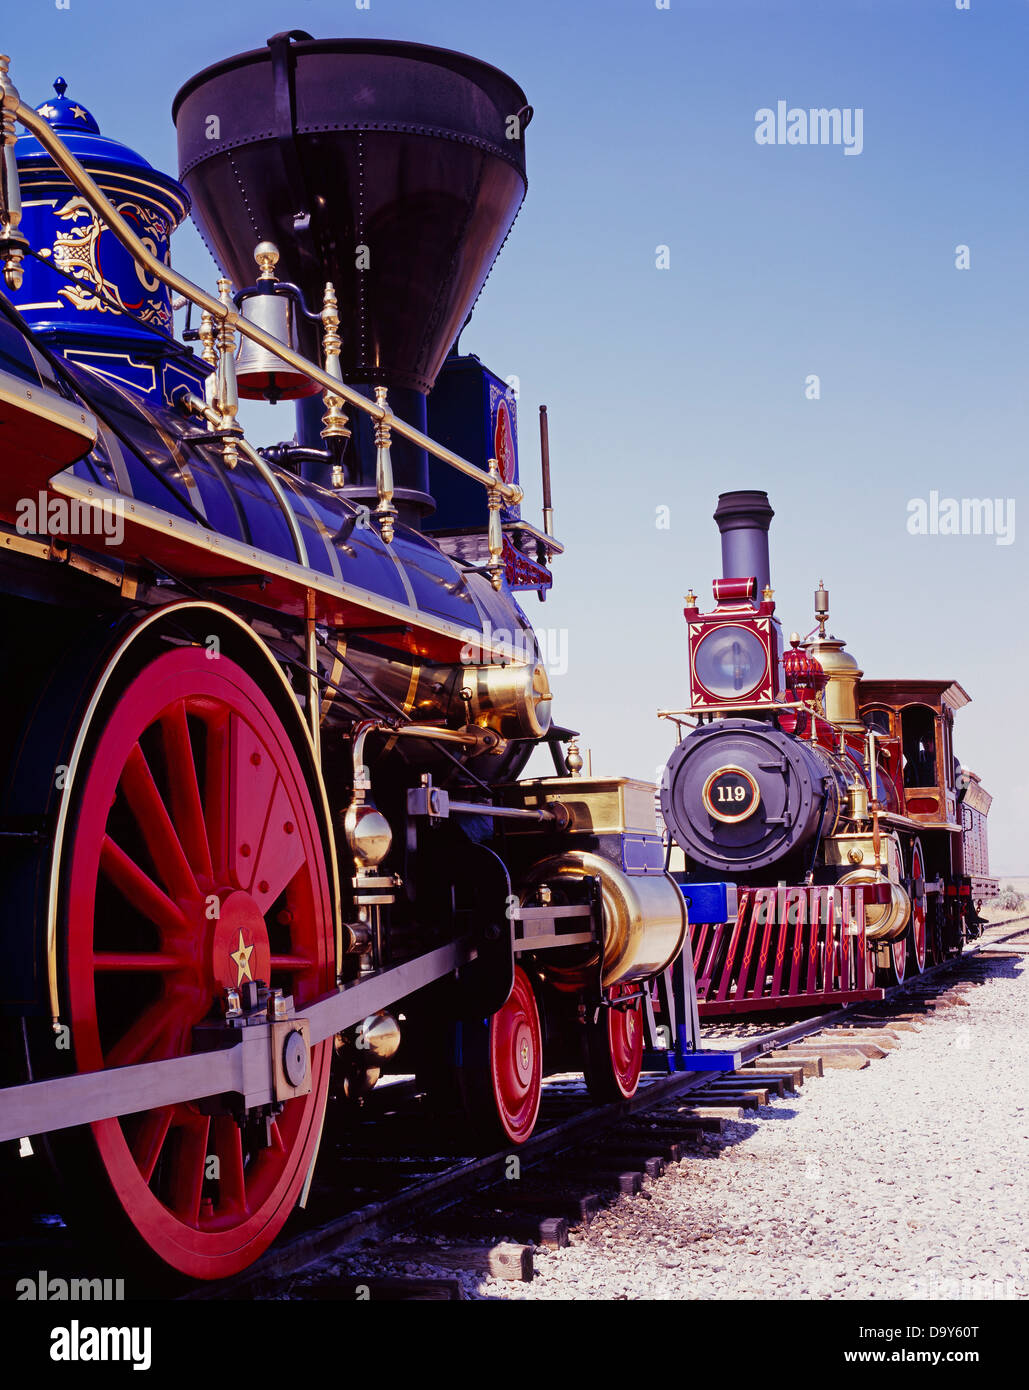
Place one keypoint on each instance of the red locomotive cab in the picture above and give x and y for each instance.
(919, 717)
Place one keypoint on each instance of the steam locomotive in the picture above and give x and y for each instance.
(800, 781)
(266, 709)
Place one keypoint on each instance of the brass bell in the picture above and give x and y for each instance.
(270, 305)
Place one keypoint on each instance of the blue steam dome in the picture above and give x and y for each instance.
(87, 296)
(67, 115)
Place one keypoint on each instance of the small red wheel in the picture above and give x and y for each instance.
(194, 863)
(516, 1060)
(614, 1047)
(893, 962)
(916, 935)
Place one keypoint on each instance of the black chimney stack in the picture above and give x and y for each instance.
(394, 170)
(743, 519)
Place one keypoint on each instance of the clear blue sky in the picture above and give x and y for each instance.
(668, 386)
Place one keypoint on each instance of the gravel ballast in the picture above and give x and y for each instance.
(908, 1179)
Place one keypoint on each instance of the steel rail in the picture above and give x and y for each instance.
(222, 313)
(441, 1190)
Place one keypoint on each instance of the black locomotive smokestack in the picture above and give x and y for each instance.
(392, 169)
(743, 519)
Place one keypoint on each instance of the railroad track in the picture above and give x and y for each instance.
(582, 1156)
(413, 1200)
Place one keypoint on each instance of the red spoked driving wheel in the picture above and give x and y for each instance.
(516, 1060)
(917, 930)
(614, 1046)
(194, 863)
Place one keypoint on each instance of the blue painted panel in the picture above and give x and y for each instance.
(474, 413)
(709, 902)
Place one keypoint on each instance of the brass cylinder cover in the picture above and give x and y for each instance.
(857, 802)
(883, 921)
(513, 700)
(644, 919)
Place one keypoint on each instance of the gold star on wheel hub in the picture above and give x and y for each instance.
(241, 959)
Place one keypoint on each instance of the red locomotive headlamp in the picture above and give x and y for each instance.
(734, 650)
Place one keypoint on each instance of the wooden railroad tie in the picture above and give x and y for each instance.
(764, 1069)
(750, 1097)
(503, 1261)
(781, 1082)
(640, 1143)
(631, 1184)
(726, 1110)
(577, 1211)
(689, 1116)
(683, 1131)
(524, 1227)
(622, 1159)
(356, 1290)
(809, 1065)
(879, 1037)
(899, 1024)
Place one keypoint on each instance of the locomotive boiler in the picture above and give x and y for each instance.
(266, 708)
(832, 803)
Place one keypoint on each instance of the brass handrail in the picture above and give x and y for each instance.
(67, 163)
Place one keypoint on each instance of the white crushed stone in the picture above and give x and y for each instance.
(908, 1179)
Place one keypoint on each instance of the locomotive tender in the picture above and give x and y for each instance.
(834, 804)
(266, 709)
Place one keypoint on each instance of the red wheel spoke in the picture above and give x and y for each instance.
(123, 962)
(281, 854)
(149, 1141)
(228, 1146)
(276, 1135)
(217, 793)
(154, 1026)
(190, 1161)
(156, 826)
(292, 963)
(140, 890)
(187, 810)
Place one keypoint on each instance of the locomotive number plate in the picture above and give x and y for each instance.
(730, 794)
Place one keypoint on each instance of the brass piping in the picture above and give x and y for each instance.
(231, 318)
(311, 655)
(268, 474)
(212, 414)
(439, 735)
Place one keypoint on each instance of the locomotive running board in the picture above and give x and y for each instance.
(246, 1068)
(788, 948)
